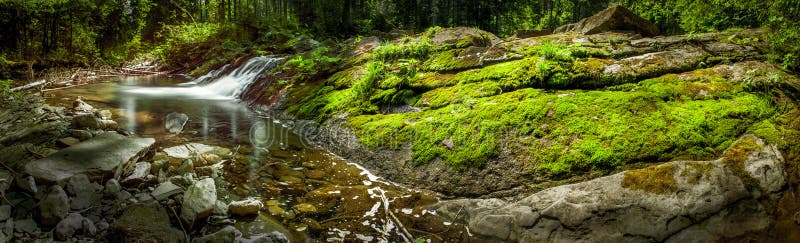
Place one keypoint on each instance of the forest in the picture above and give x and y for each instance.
(91, 32)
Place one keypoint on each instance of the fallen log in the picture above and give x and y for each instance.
(30, 85)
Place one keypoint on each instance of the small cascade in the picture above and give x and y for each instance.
(233, 84)
(208, 77)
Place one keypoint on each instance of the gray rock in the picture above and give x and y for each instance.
(148, 222)
(227, 234)
(615, 18)
(74, 223)
(6, 180)
(112, 187)
(69, 141)
(186, 167)
(174, 122)
(82, 135)
(54, 206)
(26, 226)
(79, 105)
(709, 203)
(5, 212)
(109, 125)
(220, 208)
(28, 184)
(84, 193)
(97, 156)
(87, 121)
(245, 207)
(140, 171)
(198, 201)
(188, 151)
(166, 190)
(104, 114)
(254, 231)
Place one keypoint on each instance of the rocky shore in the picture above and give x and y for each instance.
(70, 174)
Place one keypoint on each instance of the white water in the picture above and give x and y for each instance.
(209, 86)
(233, 84)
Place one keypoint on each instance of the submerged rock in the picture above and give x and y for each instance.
(148, 222)
(245, 207)
(97, 156)
(174, 122)
(227, 234)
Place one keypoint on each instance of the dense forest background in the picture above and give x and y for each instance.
(88, 32)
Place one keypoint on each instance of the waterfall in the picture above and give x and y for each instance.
(233, 84)
(214, 86)
(210, 76)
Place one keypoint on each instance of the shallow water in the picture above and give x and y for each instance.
(270, 162)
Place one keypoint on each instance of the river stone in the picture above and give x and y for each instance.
(26, 226)
(112, 187)
(140, 171)
(6, 178)
(74, 223)
(54, 206)
(79, 105)
(227, 234)
(84, 193)
(109, 124)
(5, 212)
(305, 208)
(245, 207)
(174, 122)
(98, 156)
(28, 184)
(188, 151)
(144, 222)
(87, 121)
(82, 135)
(166, 190)
(69, 141)
(104, 114)
(198, 201)
(263, 229)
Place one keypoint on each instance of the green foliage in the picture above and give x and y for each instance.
(418, 49)
(5, 87)
(364, 87)
(310, 64)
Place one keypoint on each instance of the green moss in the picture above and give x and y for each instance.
(655, 179)
(344, 79)
(456, 94)
(451, 60)
(418, 49)
(432, 80)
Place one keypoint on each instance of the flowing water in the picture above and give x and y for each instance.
(269, 162)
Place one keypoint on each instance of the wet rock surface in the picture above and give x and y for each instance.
(98, 156)
(709, 202)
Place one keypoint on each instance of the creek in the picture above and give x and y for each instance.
(306, 190)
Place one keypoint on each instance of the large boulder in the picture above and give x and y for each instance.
(96, 157)
(463, 37)
(674, 201)
(615, 18)
(144, 223)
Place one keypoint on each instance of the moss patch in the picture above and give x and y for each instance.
(655, 179)
(696, 171)
(734, 159)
